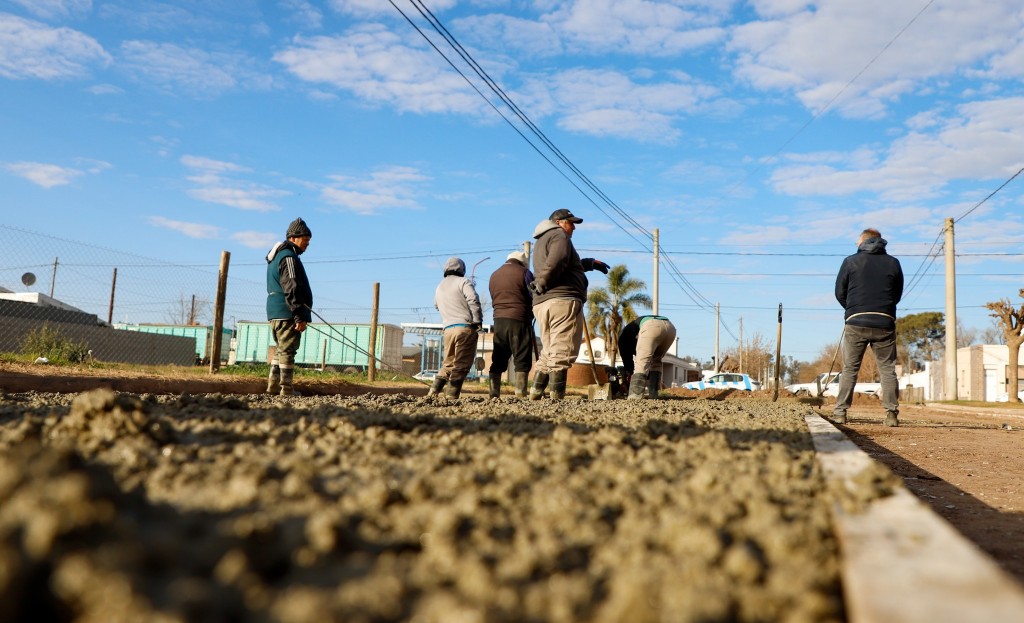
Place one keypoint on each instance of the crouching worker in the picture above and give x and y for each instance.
(289, 304)
(457, 300)
(642, 345)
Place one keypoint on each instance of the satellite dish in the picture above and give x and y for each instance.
(28, 279)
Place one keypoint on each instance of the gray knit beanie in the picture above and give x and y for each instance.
(298, 229)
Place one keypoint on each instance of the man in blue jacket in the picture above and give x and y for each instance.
(289, 304)
(868, 286)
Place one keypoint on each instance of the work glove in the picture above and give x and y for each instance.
(475, 327)
(590, 263)
(534, 288)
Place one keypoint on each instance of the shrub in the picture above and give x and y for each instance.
(55, 346)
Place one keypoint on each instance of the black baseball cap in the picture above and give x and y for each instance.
(565, 215)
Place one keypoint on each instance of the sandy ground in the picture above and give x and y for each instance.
(357, 506)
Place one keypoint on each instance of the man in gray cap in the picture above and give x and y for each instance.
(513, 333)
(560, 290)
(289, 304)
(456, 299)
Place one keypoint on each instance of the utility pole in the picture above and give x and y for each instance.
(53, 277)
(741, 344)
(950, 389)
(113, 287)
(718, 358)
(654, 307)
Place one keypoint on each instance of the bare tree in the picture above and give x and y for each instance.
(965, 336)
(1012, 321)
(993, 334)
(191, 310)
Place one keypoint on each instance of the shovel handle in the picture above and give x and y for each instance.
(593, 366)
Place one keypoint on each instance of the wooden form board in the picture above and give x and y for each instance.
(903, 563)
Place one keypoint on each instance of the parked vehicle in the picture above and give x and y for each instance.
(828, 385)
(725, 380)
(1006, 397)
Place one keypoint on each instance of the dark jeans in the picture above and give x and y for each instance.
(883, 344)
(512, 339)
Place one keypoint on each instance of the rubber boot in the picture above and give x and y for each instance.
(540, 383)
(437, 386)
(558, 384)
(653, 384)
(495, 387)
(637, 386)
(891, 419)
(287, 376)
(454, 388)
(522, 379)
(274, 379)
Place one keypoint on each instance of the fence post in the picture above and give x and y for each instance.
(218, 311)
(371, 370)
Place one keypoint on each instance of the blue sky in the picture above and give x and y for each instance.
(757, 137)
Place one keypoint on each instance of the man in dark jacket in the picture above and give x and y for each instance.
(513, 311)
(560, 290)
(642, 345)
(868, 286)
(289, 304)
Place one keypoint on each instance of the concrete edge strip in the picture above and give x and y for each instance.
(900, 560)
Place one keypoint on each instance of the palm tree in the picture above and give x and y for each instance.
(611, 308)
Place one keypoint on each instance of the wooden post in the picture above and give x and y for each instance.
(323, 357)
(218, 311)
(110, 311)
(371, 363)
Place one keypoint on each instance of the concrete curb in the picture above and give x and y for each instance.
(901, 562)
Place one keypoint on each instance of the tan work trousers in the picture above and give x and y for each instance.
(561, 332)
(459, 351)
(655, 338)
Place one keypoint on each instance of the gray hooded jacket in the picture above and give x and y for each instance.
(455, 297)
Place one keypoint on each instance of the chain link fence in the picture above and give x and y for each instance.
(80, 302)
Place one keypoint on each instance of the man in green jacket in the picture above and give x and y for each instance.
(289, 304)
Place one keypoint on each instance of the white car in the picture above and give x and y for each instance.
(725, 380)
(1006, 397)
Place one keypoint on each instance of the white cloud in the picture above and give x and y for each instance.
(255, 239)
(640, 27)
(394, 187)
(370, 8)
(56, 9)
(376, 65)
(192, 230)
(42, 174)
(983, 140)
(215, 184)
(816, 51)
(175, 68)
(304, 13)
(611, 103)
(30, 49)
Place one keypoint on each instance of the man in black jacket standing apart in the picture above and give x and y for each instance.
(869, 285)
(289, 304)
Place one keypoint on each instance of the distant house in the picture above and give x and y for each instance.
(982, 371)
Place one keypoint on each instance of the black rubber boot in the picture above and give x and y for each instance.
(522, 379)
(274, 379)
(558, 384)
(437, 386)
(637, 386)
(495, 387)
(540, 383)
(454, 389)
(653, 384)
